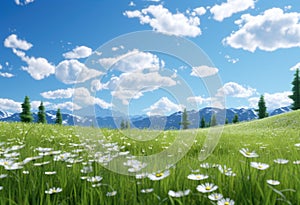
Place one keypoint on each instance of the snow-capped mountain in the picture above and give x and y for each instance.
(4, 114)
(108, 120)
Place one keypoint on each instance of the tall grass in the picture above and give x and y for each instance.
(271, 138)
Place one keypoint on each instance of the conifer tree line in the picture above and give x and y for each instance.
(26, 115)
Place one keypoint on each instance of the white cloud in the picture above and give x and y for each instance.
(1, 67)
(6, 75)
(162, 20)
(78, 52)
(271, 30)
(23, 2)
(163, 107)
(226, 10)
(66, 106)
(10, 105)
(133, 85)
(200, 11)
(73, 71)
(204, 71)
(198, 99)
(131, 4)
(38, 68)
(273, 101)
(12, 41)
(58, 94)
(83, 98)
(133, 61)
(96, 85)
(295, 67)
(235, 90)
(231, 60)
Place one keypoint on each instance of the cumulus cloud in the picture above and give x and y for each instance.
(23, 2)
(6, 75)
(269, 31)
(295, 67)
(82, 97)
(66, 106)
(162, 20)
(39, 68)
(96, 85)
(133, 61)
(200, 11)
(204, 71)
(10, 105)
(198, 99)
(227, 9)
(235, 90)
(12, 41)
(58, 94)
(132, 85)
(73, 71)
(78, 52)
(274, 100)
(163, 106)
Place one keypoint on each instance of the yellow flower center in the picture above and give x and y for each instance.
(208, 188)
(159, 174)
(216, 196)
(226, 203)
(248, 153)
(259, 166)
(198, 177)
(5, 163)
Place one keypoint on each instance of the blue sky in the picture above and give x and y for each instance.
(45, 47)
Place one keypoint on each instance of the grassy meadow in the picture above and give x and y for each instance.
(50, 164)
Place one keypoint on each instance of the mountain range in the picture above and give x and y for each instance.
(106, 119)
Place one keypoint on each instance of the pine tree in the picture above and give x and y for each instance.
(58, 117)
(122, 125)
(26, 115)
(226, 121)
(262, 109)
(213, 121)
(127, 125)
(202, 123)
(235, 119)
(42, 114)
(185, 123)
(296, 91)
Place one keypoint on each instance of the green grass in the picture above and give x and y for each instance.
(271, 138)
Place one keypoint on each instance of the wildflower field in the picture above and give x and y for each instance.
(254, 163)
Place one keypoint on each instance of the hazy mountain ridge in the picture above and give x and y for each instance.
(107, 120)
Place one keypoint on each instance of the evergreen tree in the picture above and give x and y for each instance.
(122, 125)
(262, 109)
(235, 119)
(213, 121)
(202, 123)
(127, 125)
(58, 117)
(226, 121)
(296, 91)
(26, 115)
(42, 114)
(185, 123)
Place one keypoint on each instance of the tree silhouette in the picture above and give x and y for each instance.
(42, 114)
(26, 115)
(58, 117)
(296, 91)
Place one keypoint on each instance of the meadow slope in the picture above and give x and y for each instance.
(50, 164)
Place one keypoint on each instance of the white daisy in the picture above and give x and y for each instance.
(296, 162)
(159, 175)
(273, 182)
(207, 187)
(215, 196)
(197, 176)
(281, 161)
(53, 190)
(149, 190)
(94, 179)
(260, 166)
(226, 201)
(179, 193)
(247, 153)
(113, 193)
